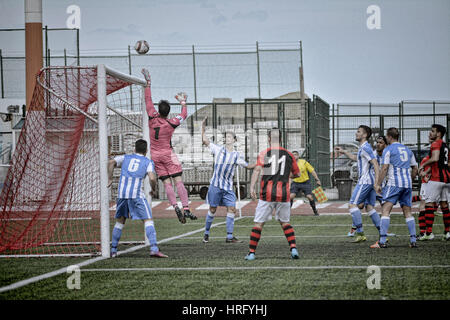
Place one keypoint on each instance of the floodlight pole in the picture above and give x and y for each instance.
(33, 45)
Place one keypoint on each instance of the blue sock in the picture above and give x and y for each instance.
(412, 228)
(151, 235)
(375, 218)
(384, 227)
(357, 219)
(230, 225)
(209, 221)
(116, 234)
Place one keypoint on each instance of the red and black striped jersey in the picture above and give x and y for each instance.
(440, 170)
(277, 164)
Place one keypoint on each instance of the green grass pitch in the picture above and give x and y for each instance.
(330, 266)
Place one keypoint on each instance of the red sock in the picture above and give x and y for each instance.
(422, 222)
(446, 218)
(290, 235)
(254, 238)
(415, 198)
(429, 217)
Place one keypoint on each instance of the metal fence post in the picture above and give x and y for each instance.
(195, 80)
(46, 45)
(259, 79)
(78, 47)
(1, 73)
(130, 71)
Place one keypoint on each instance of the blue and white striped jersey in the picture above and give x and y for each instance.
(225, 163)
(365, 168)
(134, 169)
(400, 160)
(379, 160)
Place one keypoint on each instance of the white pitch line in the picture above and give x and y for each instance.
(315, 225)
(179, 204)
(94, 260)
(261, 268)
(46, 275)
(344, 206)
(204, 206)
(323, 205)
(297, 204)
(156, 203)
(315, 236)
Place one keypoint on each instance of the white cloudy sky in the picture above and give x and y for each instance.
(408, 58)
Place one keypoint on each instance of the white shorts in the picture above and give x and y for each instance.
(423, 192)
(264, 211)
(437, 191)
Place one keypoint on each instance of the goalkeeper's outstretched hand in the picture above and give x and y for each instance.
(146, 76)
(181, 97)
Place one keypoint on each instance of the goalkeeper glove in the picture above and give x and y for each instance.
(147, 76)
(181, 97)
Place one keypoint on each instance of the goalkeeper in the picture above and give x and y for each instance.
(167, 165)
(303, 183)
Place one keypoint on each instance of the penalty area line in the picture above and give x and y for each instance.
(55, 273)
(261, 268)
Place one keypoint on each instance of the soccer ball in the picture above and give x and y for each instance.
(142, 47)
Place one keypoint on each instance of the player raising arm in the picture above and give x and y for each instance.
(366, 188)
(167, 165)
(220, 192)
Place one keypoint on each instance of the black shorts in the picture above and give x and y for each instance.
(305, 187)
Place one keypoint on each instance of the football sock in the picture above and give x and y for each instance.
(254, 239)
(429, 218)
(415, 198)
(375, 218)
(410, 222)
(151, 234)
(422, 222)
(182, 193)
(116, 234)
(209, 221)
(312, 203)
(292, 202)
(384, 227)
(357, 219)
(290, 235)
(446, 218)
(230, 225)
(170, 194)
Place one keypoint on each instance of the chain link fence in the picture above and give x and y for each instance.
(412, 118)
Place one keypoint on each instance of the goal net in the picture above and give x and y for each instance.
(55, 199)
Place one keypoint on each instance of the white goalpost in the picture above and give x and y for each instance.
(102, 71)
(55, 199)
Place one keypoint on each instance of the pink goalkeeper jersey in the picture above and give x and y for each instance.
(161, 129)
